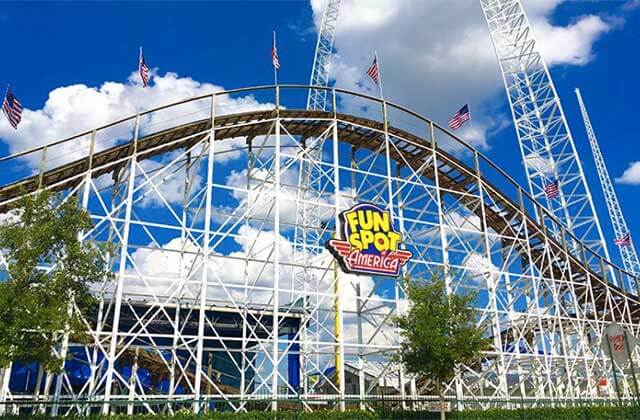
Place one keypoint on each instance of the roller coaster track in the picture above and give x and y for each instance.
(501, 215)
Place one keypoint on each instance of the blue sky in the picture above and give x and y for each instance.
(51, 45)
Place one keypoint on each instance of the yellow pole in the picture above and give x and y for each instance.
(336, 324)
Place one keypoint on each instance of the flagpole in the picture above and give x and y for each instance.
(470, 119)
(275, 69)
(375, 54)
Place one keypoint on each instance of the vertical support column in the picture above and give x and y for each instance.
(43, 160)
(174, 354)
(441, 219)
(359, 305)
(387, 141)
(567, 389)
(491, 283)
(338, 308)
(65, 341)
(245, 292)
(397, 288)
(87, 184)
(206, 251)
(536, 281)
(97, 348)
(578, 308)
(521, 214)
(122, 270)
(387, 152)
(276, 258)
(181, 279)
(4, 391)
(38, 382)
(132, 381)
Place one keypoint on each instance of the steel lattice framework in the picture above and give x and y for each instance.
(310, 175)
(197, 199)
(309, 226)
(545, 141)
(627, 252)
(317, 98)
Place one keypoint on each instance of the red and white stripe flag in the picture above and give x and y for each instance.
(552, 189)
(12, 108)
(143, 69)
(625, 240)
(374, 71)
(274, 54)
(460, 117)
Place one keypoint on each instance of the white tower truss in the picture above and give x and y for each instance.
(546, 145)
(309, 226)
(322, 59)
(627, 250)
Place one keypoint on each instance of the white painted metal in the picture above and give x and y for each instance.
(628, 252)
(308, 235)
(544, 310)
(545, 141)
(317, 98)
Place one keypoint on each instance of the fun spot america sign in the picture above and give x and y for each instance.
(368, 242)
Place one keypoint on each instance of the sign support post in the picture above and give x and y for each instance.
(618, 344)
(613, 367)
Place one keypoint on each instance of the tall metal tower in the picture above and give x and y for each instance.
(627, 250)
(307, 235)
(317, 98)
(309, 226)
(548, 151)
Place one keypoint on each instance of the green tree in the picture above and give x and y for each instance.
(50, 271)
(439, 333)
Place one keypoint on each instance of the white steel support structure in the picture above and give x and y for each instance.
(546, 145)
(620, 229)
(206, 310)
(308, 235)
(317, 98)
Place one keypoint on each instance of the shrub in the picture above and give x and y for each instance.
(547, 413)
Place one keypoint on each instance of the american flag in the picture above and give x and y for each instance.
(12, 108)
(625, 240)
(274, 54)
(143, 69)
(552, 189)
(374, 72)
(460, 117)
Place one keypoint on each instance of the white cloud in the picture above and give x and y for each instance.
(479, 264)
(437, 55)
(572, 44)
(158, 269)
(169, 181)
(76, 108)
(540, 164)
(261, 193)
(631, 175)
(631, 5)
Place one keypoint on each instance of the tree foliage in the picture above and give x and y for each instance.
(50, 271)
(439, 331)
